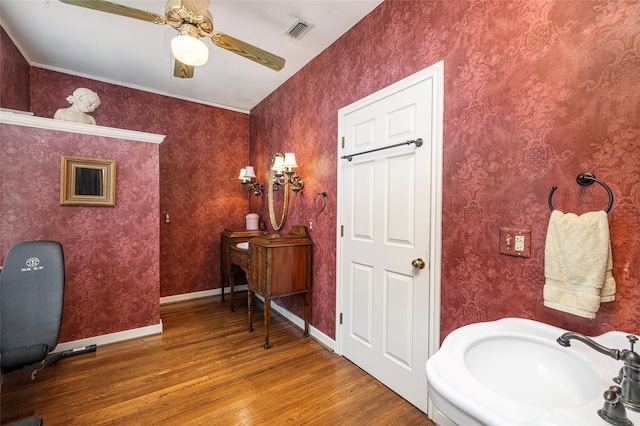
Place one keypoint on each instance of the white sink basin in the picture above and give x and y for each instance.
(243, 246)
(512, 371)
(505, 363)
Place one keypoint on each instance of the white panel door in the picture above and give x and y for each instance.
(385, 214)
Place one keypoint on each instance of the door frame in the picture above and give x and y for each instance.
(435, 72)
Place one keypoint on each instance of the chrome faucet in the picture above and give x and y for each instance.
(630, 372)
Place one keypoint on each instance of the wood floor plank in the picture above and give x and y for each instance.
(207, 369)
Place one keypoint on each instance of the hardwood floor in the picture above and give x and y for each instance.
(206, 369)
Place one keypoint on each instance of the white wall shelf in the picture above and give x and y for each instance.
(24, 119)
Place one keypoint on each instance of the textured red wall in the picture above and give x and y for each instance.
(536, 92)
(112, 254)
(199, 161)
(200, 158)
(14, 76)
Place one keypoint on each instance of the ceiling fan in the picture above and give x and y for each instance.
(192, 19)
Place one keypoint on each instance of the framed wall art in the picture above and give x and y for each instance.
(87, 182)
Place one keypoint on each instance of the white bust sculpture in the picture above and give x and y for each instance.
(82, 101)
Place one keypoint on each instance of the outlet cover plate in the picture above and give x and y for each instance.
(515, 242)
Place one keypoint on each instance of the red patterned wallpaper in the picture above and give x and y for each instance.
(536, 92)
(14, 69)
(200, 158)
(112, 254)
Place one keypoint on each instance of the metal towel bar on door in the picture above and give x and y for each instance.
(418, 143)
(586, 179)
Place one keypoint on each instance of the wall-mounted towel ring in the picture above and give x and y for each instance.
(324, 201)
(586, 179)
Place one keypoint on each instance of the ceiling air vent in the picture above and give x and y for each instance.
(298, 29)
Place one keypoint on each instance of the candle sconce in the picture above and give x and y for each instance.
(283, 173)
(246, 177)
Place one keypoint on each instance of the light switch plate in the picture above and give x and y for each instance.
(515, 242)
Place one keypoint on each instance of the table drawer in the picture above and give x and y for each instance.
(240, 257)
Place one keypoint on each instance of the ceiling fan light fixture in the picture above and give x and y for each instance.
(189, 50)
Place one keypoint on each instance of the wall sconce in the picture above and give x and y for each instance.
(283, 173)
(246, 176)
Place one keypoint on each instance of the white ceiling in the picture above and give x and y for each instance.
(135, 53)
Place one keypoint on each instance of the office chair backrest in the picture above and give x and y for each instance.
(31, 296)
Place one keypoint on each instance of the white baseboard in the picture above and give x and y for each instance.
(198, 294)
(111, 338)
(157, 329)
(137, 332)
(299, 322)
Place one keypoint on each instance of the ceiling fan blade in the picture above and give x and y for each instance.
(248, 51)
(118, 9)
(181, 70)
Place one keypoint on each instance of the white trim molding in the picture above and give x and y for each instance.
(105, 339)
(198, 294)
(25, 120)
(195, 295)
(285, 313)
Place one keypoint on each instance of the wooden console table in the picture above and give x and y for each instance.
(280, 265)
(227, 268)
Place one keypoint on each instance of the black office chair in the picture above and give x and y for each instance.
(31, 303)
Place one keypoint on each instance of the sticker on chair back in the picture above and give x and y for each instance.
(33, 264)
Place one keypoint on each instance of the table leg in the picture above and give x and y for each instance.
(223, 279)
(232, 281)
(250, 309)
(267, 322)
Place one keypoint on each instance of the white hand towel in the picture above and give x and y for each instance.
(578, 263)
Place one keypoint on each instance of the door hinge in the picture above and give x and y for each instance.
(342, 230)
(343, 142)
(340, 318)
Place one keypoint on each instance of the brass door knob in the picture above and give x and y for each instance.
(418, 263)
